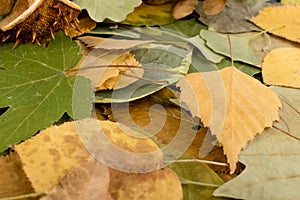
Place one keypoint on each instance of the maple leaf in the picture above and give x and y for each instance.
(232, 104)
(36, 91)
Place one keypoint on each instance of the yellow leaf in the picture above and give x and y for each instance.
(161, 184)
(290, 1)
(49, 155)
(282, 67)
(283, 20)
(232, 104)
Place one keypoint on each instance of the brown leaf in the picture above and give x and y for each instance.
(89, 180)
(13, 181)
(183, 8)
(161, 184)
(213, 7)
(235, 106)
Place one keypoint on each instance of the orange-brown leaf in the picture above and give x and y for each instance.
(232, 104)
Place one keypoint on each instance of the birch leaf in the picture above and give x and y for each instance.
(235, 106)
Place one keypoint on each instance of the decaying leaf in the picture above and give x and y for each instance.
(183, 8)
(13, 179)
(232, 104)
(272, 159)
(282, 20)
(233, 18)
(51, 153)
(54, 151)
(36, 21)
(213, 7)
(6, 6)
(151, 15)
(161, 184)
(88, 180)
(282, 67)
(116, 10)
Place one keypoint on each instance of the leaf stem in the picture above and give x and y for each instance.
(186, 181)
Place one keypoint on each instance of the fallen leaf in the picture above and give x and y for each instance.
(116, 10)
(157, 2)
(197, 179)
(161, 184)
(282, 20)
(88, 180)
(6, 6)
(37, 75)
(189, 27)
(51, 153)
(282, 67)
(272, 159)
(151, 15)
(163, 65)
(213, 7)
(233, 18)
(184, 8)
(13, 179)
(110, 43)
(290, 1)
(241, 48)
(54, 151)
(235, 106)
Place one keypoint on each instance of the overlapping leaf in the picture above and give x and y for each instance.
(36, 91)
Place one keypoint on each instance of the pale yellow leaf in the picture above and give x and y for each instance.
(160, 184)
(282, 20)
(89, 180)
(282, 67)
(235, 106)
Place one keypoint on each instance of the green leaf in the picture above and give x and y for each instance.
(190, 27)
(272, 159)
(35, 89)
(116, 10)
(241, 49)
(151, 15)
(164, 67)
(198, 180)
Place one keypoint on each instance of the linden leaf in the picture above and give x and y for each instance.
(89, 180)
(36, 91)
(235, 106)
(160, 184)
(57, 149)
(282, 67)
(272, 159)
(283, 20)
(116, 10)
